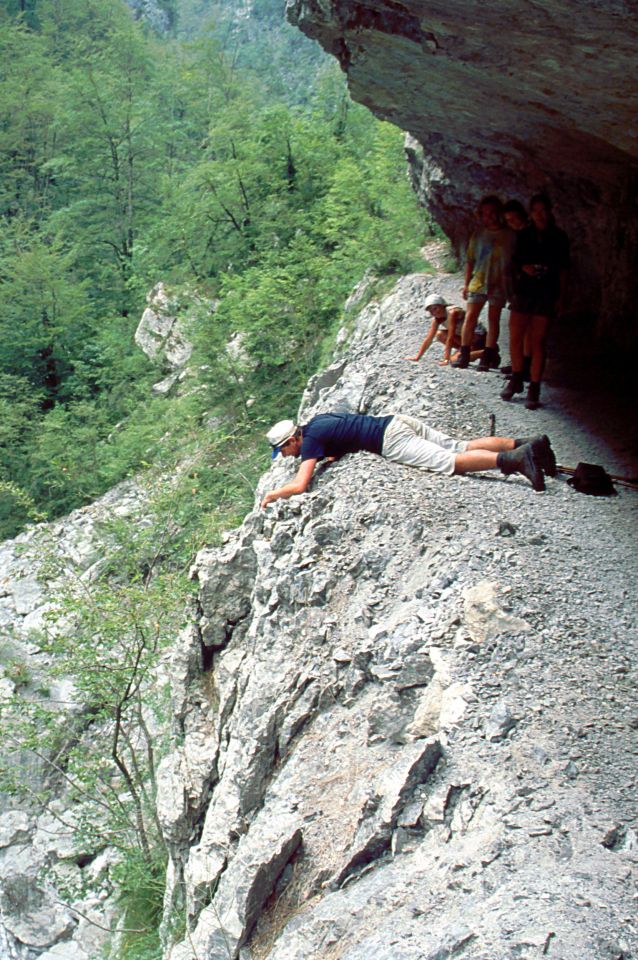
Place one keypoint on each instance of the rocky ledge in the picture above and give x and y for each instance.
(405, 717)
(509, 98)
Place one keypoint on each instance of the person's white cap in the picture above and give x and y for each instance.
(435, 300)
(278, 434)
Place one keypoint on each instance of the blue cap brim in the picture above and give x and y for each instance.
(275, 452)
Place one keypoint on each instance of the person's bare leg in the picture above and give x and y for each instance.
(538, 340)
(469, 324)
(527, 345)
(524, 460)
(518, 337)
(481, 454)
(493, 444)
(527, 355)
(493, 325)
(473, 460)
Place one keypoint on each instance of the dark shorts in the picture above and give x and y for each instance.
(539, 305)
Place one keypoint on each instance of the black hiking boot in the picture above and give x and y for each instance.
(522, 460)
(490, 358)
(542, 451)
(464, 359)
(533, 396)
(513, 385)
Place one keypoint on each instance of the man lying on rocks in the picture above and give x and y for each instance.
(405, 440)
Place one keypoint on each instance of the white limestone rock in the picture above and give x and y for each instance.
(15, 827)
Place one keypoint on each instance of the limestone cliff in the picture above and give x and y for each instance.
(510, 98)
(57, 893)
(404, 714)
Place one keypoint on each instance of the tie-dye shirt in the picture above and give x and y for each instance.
(491, 254)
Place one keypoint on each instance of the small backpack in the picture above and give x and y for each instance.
(592, 479)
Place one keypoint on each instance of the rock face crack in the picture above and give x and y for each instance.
(383, 809)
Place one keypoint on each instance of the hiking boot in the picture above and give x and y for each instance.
(490, 358)
(507, 370)
(485, 361)
(464, 359)
(533, 396)
(542, 451)
(513, 385)
(522, 460)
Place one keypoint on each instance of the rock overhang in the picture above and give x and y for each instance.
(526, 96)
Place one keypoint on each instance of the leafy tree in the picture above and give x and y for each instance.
(28, 92)
(40, 298)
(108, 151)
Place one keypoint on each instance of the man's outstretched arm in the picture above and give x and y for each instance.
(299, 485)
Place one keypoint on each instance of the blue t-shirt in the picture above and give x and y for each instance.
(333, 434)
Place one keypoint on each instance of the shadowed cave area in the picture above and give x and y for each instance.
(525, 97)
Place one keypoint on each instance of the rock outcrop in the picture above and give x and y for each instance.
(162, 337)
(56, 892)
(510, 98)
(404, 714)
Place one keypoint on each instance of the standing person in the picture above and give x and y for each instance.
(405, 440)
(516, 218)
(446, 326)
(487, 280)
(541, 263)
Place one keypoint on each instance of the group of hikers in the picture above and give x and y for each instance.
(513, 258)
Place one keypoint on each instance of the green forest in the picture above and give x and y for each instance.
(221, 156)
(230, 172)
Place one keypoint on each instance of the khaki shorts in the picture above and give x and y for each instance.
(410, 441)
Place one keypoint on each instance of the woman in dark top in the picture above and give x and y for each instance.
(540, 262)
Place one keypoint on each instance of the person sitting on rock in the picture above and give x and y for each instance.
(487, 280)
(403, 439)
(446, 327)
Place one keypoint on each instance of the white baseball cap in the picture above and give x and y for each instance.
(435, 300)
(278, 435)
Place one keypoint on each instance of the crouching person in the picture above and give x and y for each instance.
(403, 439)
